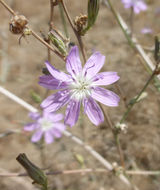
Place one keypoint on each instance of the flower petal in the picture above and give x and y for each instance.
(49, 82)
(59, 126)
(52, 116)
(73, 63)
(55, 102)
(93, 111)
(48, 136)
(56, 133)
(72, 113)
(30, 127)
(93, 65)
(37, 135)
(106, 97)
(105, 78)
(56, 73)
(48, 101)
(34, 115)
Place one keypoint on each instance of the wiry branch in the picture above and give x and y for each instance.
(34, 33)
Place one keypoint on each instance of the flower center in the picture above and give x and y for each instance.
(80, 87)
(45, 124)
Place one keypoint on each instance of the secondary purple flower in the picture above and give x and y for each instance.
(146, 31)
(80, 86)
(48, 125)
(138, 5)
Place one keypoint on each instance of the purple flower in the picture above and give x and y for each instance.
(146, 31)
(80, 86)
(138, 5)
(48, 125)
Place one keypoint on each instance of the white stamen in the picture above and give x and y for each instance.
(45, 124)
(80, 87)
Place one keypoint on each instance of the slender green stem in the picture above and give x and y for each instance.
(133, 41)
(63, 21)
(132, 21)
(127, 35)
(42, 153)
(138, 96)
(116, 136)
(122, 96)
(50, 27)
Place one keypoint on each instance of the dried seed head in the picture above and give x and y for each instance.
(121, 127)
(118, 170)
(17, 24)
(80, 22)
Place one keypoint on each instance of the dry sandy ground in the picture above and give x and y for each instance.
(21, 66)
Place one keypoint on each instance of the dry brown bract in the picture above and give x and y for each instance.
(18, 24)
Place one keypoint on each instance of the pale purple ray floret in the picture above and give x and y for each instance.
(80, 86)
(47, 124)
(138, 5)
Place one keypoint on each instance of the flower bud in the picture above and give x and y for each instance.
(80, 23)
(33, 171)
(93, 9)
(157, 48)
(58, 42)
(121, 127)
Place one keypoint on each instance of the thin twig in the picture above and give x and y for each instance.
(34, 33)
(8, 8)
(133, 42)
(82, 171)
(139, 172)
(17, 100)
(10, 132)
(50, 26)
(116, 136)
(140, 93)
(63, 20)
(46, 44)
(132, 21)
(74, 30)
(123, 97)
(65, 172)
(20, 181)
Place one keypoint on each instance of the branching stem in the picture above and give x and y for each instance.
(140, 93)
(74, 30)
(34, 33)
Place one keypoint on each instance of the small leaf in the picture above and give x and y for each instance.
(80, 159)
(35, 97)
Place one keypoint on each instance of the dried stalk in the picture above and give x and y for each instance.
(74, 30)
(81, 171)
(34, 33)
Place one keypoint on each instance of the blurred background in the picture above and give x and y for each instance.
(20, 67)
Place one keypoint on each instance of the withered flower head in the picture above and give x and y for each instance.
(80, 22)
(18, 24)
